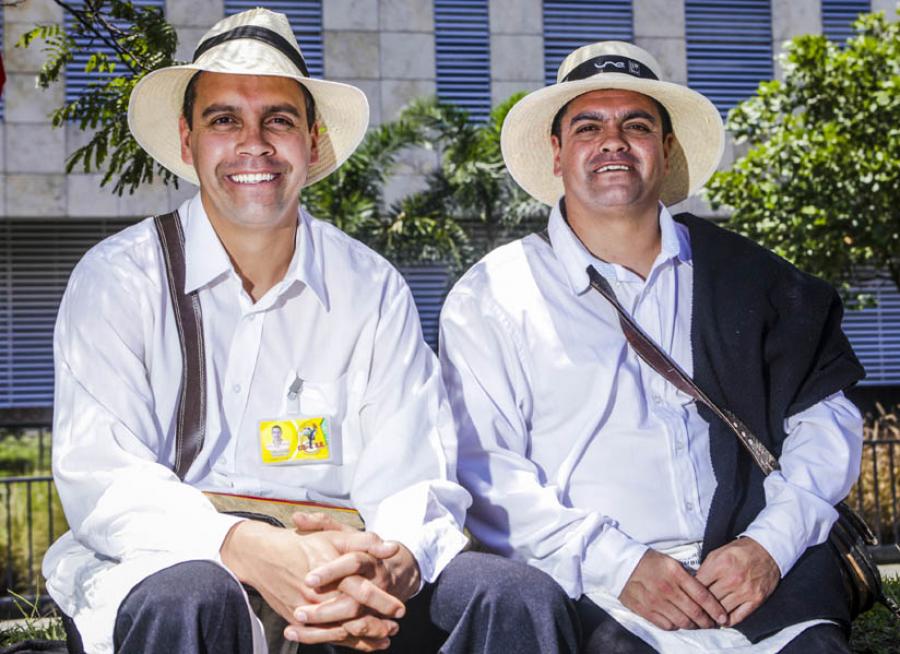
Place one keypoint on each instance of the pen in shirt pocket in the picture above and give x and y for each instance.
(291, 402)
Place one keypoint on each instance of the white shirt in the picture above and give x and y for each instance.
(342, 320)
(579, 455)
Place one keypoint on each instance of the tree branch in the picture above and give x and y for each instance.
(109, 39)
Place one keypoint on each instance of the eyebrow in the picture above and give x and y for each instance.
(271, 109)
(600, 117)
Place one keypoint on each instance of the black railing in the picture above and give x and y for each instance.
(875, 495)
(31, 520)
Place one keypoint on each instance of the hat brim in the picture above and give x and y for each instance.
(156, 102)
(696, 123)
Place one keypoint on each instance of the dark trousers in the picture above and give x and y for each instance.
(480, 603)
(603, 635)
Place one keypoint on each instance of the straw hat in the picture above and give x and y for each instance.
(696, 123)
(255, 42)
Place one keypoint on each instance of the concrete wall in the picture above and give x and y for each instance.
(385, 47)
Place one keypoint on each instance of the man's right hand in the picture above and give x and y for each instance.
(664, 593)
(275, 561)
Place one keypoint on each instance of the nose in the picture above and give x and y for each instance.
(254, 142)
(613, 140)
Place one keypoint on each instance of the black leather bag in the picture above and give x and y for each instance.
(850, 538)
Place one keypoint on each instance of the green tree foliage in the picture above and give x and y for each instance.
(142, 42)
(821, 180)
(352, 197)
(472, 186)
(469, 204)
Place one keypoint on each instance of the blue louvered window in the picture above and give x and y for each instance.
(77, 80)
(572, 24)
(875, 334)
(729, 48)
(428, 284)
(36, 258)
(838, 17)
(463, 55)
(305, 17)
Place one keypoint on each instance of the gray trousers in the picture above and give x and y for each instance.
(480, 603)
(603, 635)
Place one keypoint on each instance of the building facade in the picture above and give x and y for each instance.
(475, 53)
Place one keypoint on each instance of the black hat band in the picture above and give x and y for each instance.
(609, 64)
(267, 36)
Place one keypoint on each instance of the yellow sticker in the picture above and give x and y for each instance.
(295, 440)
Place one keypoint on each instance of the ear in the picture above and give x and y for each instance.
(185, 138)
(556, 144)
(668, 142)
(314, 143)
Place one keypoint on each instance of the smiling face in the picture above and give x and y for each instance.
(611, 152)
(251, 147)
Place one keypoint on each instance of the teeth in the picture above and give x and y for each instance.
(252, 178)
(603, 169)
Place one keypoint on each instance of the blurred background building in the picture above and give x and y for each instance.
(474, 53)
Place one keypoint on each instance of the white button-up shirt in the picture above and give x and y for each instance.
(342, 321)
(578, 454)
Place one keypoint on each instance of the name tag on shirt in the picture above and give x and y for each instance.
(295, 440)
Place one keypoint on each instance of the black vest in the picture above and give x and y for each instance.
(767, 343)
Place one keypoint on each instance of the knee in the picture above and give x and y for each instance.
(515, 584)
(196, 586)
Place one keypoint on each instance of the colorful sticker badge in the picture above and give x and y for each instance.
(297, 440)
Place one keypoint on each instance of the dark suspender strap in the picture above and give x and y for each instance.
(190, 426)
(656, 358)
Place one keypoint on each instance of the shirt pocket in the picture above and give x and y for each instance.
(324, 398)
(338, 401)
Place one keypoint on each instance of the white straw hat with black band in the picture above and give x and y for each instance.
(255, 42)
(696, 123)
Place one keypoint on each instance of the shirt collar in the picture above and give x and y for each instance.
(206, 258)
(575, 258)
(308, 263)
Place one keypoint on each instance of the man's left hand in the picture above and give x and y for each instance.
(741, 574)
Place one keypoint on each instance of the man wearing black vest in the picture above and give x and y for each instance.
(587, 463)
(308, 355)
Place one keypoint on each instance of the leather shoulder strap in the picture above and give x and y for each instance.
(190, 426)
(655, 357)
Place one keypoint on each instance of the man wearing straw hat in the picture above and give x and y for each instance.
(300, 325)
(586, 462)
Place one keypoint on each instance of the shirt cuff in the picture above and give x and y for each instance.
(609, 561)
(424, 526)
(215, 530)
(792, 521)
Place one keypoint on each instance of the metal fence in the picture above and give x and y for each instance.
(875, 495)
(31, 516)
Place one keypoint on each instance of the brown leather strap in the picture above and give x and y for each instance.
(662, 363)
(190, 426)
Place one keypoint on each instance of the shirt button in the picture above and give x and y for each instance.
(678, 446)
(689, 506)
(251, 317)
(236, 388)
(657, 399)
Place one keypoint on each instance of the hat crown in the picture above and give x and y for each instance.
(605, 48)
(259, 17)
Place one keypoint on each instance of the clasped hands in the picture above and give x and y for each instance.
(731, 583)
(332, 583)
